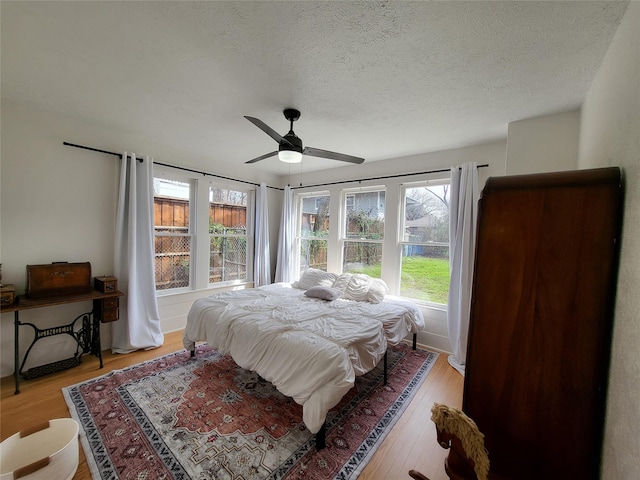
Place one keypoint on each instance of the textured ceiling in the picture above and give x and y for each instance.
(372, 79)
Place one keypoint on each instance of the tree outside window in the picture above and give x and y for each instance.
(314, 231)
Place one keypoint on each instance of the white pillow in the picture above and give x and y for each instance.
(361, 287)
(314, 277)
(358, 287)
(377, 290)
(342, 281)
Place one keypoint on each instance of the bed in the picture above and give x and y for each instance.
(310, 339)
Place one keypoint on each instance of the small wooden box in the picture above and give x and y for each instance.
(59, 278)
(7, 295)
(105, 284)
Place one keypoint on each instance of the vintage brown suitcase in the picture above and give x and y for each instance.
(58, 278)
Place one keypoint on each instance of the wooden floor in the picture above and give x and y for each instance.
(410, 445)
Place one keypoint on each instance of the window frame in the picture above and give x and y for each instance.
(345, 194)
(401, 232)
(393, 228)
(163, 175)
(299, 211)
(248, 235)
(199, 229)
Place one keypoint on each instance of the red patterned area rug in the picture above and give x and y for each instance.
(206, 418)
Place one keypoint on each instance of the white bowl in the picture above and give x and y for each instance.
(49, 451)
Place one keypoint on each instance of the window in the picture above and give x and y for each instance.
(171, 214)
(425, 243)
(363, 232)
(395, 231)
(313, 231)
(227, 235)
(203, 232)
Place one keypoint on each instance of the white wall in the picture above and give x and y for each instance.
(491, 153)
(610, 136)
(58, 204)
(543, 144)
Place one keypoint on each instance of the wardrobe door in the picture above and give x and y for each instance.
(541, 321)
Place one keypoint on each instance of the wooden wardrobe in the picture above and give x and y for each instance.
(541, 321)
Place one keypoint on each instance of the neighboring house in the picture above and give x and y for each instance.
(371, 203)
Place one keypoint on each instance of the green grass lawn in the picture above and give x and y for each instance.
(422, 278)
(425, 279)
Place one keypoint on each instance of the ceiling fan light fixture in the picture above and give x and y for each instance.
(289, 156)
(290, 148)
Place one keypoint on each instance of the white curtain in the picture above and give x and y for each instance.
(139, 324)
(285, 262)
(262, 260)
(463, 217)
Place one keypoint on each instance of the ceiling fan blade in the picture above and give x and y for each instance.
(268, 130)
(262, 157)
(317, 152)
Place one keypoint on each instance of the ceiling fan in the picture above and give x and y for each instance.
(291, 149)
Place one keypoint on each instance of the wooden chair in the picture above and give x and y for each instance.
(467, 459)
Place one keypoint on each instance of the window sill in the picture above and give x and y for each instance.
(423, 304)
(201, 292)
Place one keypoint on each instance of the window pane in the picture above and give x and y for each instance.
(227, 208)
(362, 257)
(227, 235)
(364, 221)
(171, 204)
(172, 261)
(314, 230)
(425, 273)
(425, 256)
(426, 212)
(313, 254)
(172, 235)
(315, 216)
(365, 215)
(228, 257)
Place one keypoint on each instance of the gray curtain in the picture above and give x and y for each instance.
(139, 323)
(261, 256)
(285, 262)
(463, 215)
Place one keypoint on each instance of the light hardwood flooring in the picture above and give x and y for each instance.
(410, 445)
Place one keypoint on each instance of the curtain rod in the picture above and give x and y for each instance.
(268, 186)
(442, 170)
(168, 165)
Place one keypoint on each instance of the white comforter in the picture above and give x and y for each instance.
(310, 349)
